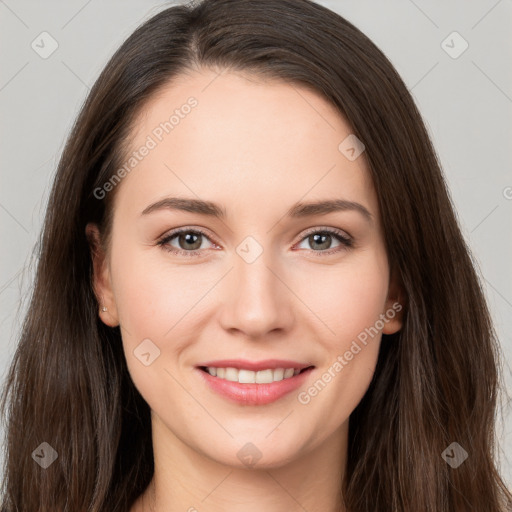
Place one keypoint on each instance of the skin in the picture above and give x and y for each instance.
(256, 147)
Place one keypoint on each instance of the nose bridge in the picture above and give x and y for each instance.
(257, 302)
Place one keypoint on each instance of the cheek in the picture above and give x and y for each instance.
(158, 301)
(357, 304)
(346, 298)
(349, 300)
(153, 295)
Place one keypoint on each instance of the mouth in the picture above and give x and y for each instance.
(271, 382)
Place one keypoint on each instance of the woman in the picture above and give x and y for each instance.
(177, 354)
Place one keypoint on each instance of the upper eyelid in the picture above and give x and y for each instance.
(174, 232)
(203, 231)
(340, 232)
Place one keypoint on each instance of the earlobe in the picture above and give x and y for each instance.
(395, 306)
(101, 281)
(394, 315)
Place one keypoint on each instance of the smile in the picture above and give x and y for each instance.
(260, 385)
(252, 377)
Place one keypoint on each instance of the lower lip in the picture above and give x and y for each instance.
(255, 394)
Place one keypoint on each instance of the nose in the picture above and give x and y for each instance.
(256, 300)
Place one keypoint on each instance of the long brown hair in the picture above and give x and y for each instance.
(436, 380)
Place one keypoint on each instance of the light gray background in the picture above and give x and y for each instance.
(466, 102)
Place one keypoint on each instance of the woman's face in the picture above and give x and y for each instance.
(263, 282)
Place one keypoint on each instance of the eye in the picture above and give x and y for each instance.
(320, 241)
(187, 242)
(191, 242)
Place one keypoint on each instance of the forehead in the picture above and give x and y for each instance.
(241, 138)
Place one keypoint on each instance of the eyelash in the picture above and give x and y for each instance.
(346, 242)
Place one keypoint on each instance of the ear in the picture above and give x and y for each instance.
(102, 284)
(395, 305)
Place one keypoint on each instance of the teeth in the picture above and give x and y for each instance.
(246, 377)
(250, 377)
(278, 374)
(231, 374)
(261, 377)
(288, 373)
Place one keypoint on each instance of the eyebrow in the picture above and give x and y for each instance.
(299, 210)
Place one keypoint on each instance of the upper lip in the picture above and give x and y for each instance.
(243, 364)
